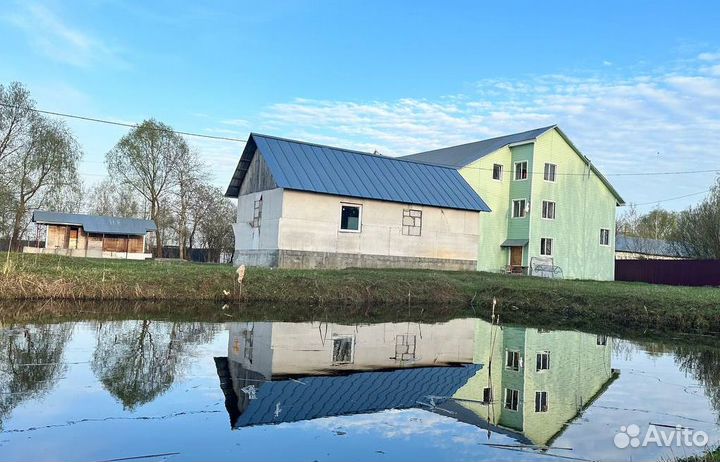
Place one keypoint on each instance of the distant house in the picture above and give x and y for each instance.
(78, 235)
(304, 205)
(552, 210)
(638, 248)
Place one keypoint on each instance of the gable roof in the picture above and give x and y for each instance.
(314, 397)
(302, 166)
(645, 246)
(465, 154)
(96, 223)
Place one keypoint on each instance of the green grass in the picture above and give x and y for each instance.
(367, 292)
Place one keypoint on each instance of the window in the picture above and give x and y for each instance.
(257, 213)
(512, 399)
(521, 171)
(543, 361)
(546, 246)
(412, 222)
(487, 395)
(602, 340)
(548, 210)
(541, 401)
(604, 236)
(512, 360)
(519, 208)
(497, 172)
(248, 350)
(549, 174)
(343, 349)
(350, 218)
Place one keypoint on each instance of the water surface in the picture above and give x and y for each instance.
(458, 390)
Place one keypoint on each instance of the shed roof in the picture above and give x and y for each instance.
(96, 223)
(645, 246)
(316, 168)
(465, 154)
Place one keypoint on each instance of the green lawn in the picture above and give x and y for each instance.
(525, 299)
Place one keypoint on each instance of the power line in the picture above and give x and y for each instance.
(674, 198)
(121, 124)
(238, 140)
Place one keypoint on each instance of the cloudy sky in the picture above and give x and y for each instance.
(636, 85)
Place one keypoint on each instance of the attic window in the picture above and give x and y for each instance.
(497, 172)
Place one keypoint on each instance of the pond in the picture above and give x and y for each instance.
(457, 390)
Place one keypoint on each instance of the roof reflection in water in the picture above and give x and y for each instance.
(524, 382)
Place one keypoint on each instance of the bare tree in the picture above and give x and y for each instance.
(190, 184)
(146, 159)
(112, 199)
(216, 225)
(698, 229)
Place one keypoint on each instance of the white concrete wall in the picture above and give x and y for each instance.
(266, 235)
(311, 222)
(282, 348)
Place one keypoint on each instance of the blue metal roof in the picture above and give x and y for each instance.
(323, 169)
(95, 223)
(359, 393)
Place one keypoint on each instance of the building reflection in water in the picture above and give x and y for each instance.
(527, 383)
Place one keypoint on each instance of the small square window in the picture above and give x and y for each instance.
(512, 360)
(548, 210)
(343, 349)
(546, 246)
(604, 236)
(519, 208)
(497, 172)
(549, 173)
(487, 395)
(541, 401)
(543, 361)
(521, 170)
(512, 399)
(350, 218)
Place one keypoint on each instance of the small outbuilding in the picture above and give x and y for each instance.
(304, 205)
(77, 235)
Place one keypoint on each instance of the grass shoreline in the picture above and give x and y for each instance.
(366, 293)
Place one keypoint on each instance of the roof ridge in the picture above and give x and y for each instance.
(353, 151)
(490, 139)
(91, 215)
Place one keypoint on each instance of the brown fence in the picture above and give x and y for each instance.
(671, 272)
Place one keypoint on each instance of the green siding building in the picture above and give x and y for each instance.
(535, 382)
(552, 210)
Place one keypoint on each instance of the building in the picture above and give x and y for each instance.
(303, 205)
(95, 236)
(538, 380)
(525, 383)
(638, 248)
(553, 212)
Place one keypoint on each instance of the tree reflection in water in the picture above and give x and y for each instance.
(704, 365)
(137, 361)
(31, 363)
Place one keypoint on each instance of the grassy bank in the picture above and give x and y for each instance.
(367, 293)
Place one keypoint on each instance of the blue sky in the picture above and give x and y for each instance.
(636, 84)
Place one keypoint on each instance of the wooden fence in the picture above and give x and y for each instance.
(671, 272)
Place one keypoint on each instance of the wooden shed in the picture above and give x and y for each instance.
(95, 236)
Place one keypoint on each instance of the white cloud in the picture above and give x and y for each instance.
(51, 36)
(620, 122)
